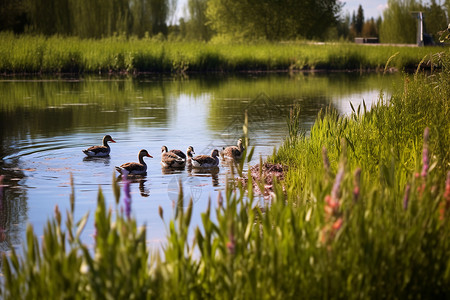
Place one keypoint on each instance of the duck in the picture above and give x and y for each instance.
(189, 155)
(134, 168)
(171, 159)
(234, 152)
(206, 161)
(102, 150)
(181, 154)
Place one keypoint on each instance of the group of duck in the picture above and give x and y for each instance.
(169, 159)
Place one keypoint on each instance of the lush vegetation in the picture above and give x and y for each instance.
(39, 54)
(363, 213)
(400, 25)
(272, 20)
(225, 20)
(87, 19)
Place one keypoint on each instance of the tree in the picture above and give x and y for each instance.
(359, 22)
(272, 19)
(370, 29)
(197, 26)
(13, 16)
(159, 11)
(447, 9)
(398, 25)
(343, 27)
(172, 8)
(434, 19)
(90, 18)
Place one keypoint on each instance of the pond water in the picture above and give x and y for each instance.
(46, 122)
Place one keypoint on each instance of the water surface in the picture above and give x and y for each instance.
(46, 122)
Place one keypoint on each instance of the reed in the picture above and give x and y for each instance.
(39, 54)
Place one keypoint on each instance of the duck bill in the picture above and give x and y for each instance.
(112, 141)
(149, 155)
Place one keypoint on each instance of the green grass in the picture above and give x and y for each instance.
(367, 218)
(38, 54)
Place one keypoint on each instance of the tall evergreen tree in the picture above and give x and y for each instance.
(359, 22)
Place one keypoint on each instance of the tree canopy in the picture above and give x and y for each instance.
(399, 25)
(272, 19)
(86, 18)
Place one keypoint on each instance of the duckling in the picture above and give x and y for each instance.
(206, 161)
(171, 160)
(234, 152)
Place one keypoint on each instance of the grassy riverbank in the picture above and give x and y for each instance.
(364, 213)
(38, 54)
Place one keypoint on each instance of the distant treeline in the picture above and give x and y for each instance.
(87, 18)
(220, 20)
(271, 20)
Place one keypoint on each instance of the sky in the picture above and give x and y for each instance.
(371, 8)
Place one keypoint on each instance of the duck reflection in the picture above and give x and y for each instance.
(97, 160)
(13, 209)
(212, 172)
(133, 179)
(171, 171)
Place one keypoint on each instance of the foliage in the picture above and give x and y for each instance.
(398, 24)
(359, 21)
(61, 266)
(364, 213)
(13, 15)
(198, 27)
(38, 54)
(385, 138)
(272, 20)
(98, 18)
(435, 19)
(370, 29)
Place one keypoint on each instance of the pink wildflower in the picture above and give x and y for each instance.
(337, 224)
(425, 158)
(231, 245)
(356, 183)
(1, 190)
(445, 205)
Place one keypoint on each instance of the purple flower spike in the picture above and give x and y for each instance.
(1, 191)
(336, 190)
